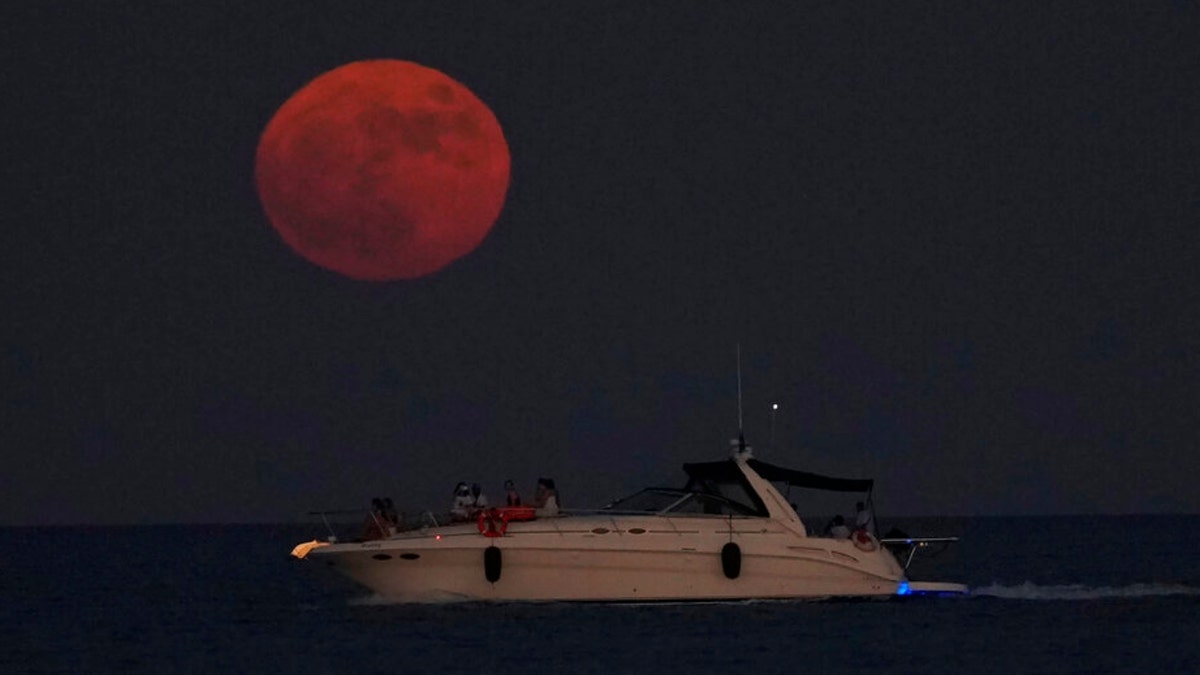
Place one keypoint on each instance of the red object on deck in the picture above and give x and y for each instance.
(517, 513)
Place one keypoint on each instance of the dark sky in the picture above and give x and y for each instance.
(957, 244)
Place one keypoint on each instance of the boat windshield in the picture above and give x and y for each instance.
(667, 501)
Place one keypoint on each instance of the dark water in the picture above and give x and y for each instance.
(1052, 595)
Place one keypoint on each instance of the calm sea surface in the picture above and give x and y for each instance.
(1050, 595)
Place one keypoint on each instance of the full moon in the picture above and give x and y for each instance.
(383, 170)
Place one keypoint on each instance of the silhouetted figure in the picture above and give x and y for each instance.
(511, 496)
(376, 526)
(479, 500)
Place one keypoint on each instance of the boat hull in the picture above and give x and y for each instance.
(575, 560)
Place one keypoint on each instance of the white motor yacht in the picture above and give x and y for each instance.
(728, 534)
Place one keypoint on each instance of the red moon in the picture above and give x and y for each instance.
(383, 170)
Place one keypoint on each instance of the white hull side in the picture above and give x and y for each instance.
(575, 565)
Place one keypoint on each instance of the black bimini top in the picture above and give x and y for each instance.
(727, 471)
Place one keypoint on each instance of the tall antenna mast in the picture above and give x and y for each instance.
(741, 436)
(739, 383)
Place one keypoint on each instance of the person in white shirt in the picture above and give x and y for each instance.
(863, 520)
(837, 528)
(545, 498)
(478, 499)
(460, 508)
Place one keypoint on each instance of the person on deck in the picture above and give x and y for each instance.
(837, 528)
(479, 501)
(863, 520)
(376, 526)
(460, 508)
(511, 495)
(545, 498)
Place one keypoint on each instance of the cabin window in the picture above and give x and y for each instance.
(734, 491)
(646, 501)
(707, 504)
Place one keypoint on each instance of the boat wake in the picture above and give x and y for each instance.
(1032, 591)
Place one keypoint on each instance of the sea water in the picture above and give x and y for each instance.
(1049, 595)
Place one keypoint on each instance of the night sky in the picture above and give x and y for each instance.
(957, 243)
